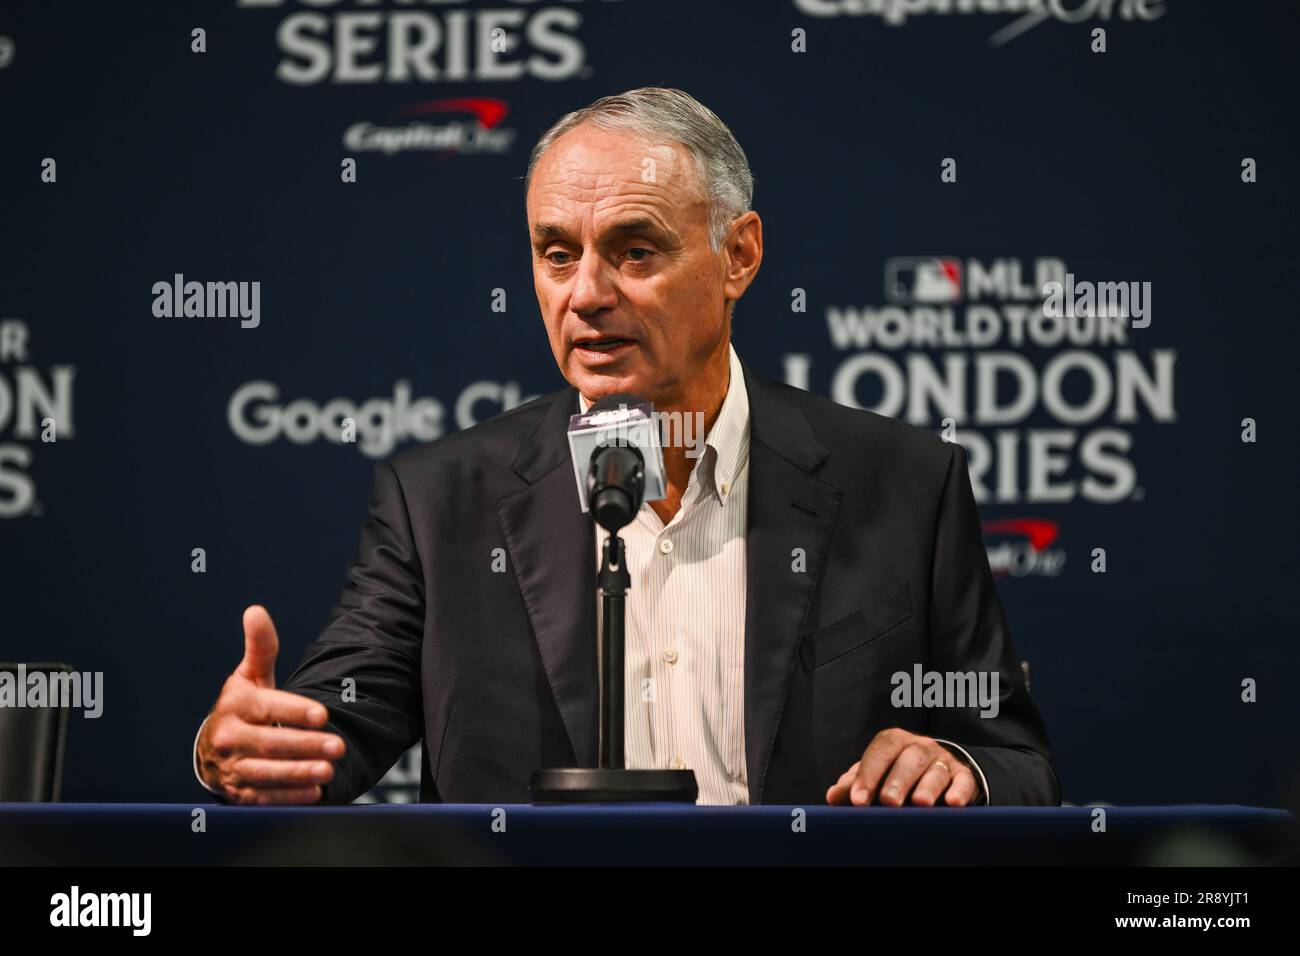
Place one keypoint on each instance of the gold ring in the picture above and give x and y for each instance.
(940, 763)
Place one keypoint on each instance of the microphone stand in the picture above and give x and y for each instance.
(610, 781)
(612, 582)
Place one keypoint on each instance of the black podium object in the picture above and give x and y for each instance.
(610, 781)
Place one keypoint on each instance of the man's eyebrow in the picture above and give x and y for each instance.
(639, 225)
(546, 231)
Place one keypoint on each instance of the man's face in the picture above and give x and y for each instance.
(631, 292)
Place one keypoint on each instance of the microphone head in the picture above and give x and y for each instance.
(616, 475)
(615, 484)
(613, 507)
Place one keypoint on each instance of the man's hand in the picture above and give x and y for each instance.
(243, 753)
(898, 763)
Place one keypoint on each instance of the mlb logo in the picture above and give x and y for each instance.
(927, 279)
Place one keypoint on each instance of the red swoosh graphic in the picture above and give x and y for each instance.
(1039, 531)
(489, 111)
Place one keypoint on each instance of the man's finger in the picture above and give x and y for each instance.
(261, 645)
(262, 705)
(234, 736)
(838, 792)
(254, 796)
(962, 790)
(908, 767)
(261, 772)
(880, 756)
(934, 781)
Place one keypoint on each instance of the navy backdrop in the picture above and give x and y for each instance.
(225, 165)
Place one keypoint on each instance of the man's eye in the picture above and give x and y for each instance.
(638, 258)
(550, 258)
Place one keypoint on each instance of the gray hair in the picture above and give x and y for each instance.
(666, 114)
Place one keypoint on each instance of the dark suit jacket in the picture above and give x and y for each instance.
(496, 671)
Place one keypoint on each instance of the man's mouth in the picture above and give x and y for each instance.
(605, 344)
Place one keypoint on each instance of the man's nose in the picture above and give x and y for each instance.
(593, 286)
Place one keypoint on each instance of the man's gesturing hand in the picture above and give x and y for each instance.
(898, 763)
(242, 751)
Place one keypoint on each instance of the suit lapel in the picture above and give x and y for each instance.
(788, 509)
(552, 553)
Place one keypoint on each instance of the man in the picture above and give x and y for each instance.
(810, 555)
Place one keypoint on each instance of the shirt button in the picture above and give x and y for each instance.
(670, 657)
(726, 488)
(665, 545)
(676, 764)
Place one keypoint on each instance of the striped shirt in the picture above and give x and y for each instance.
(685, 616)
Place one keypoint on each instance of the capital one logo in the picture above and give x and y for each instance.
(1022, 547)
(1031, 13)
(468, 125)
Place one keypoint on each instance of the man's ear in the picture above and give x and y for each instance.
(744, 254)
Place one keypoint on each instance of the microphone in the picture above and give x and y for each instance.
(616, 476)
(617, 459)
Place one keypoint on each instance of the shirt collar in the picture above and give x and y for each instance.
(729, 436)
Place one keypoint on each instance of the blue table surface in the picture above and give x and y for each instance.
(1191, 811)
(142, 834)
